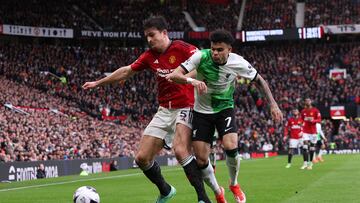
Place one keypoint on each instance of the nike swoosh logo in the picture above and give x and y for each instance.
(227, 129)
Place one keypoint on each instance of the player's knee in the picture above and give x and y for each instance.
(141, 160)
(202, 161)
(181, 152)
(290, 151)
(305, 148)
(232, 152)
(230, 146)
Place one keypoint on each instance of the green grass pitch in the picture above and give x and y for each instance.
(263, 180)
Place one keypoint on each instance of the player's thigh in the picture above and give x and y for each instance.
(306, 138)
(148, 148)
(162, 126)
(313, 139)
(203, 127)
(319, 144)
(225, 122)
(201, 151)
(230, 141)
(183, 131)
(227, 129)
(182, 141)
(294, 143)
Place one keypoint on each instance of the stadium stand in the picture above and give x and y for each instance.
(261, 15)
(332, 13)
(212, 16)
(65, 122)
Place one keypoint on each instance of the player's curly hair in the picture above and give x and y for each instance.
(221, 35)
(157, 22)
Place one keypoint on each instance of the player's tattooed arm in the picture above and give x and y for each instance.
(262, 85)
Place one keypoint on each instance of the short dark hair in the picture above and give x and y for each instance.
(221, 35)
(157, 22)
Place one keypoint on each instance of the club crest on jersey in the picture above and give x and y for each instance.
(172, 59)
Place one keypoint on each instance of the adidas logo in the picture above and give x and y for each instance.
(156, 61)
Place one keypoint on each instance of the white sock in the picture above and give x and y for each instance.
(233, 164)
(320, 153)
(210, 179)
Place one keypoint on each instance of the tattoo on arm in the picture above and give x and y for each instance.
(262, 85)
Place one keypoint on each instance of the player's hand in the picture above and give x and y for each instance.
(276, 114)
(89, 85)
(169, 77)
(200, 86)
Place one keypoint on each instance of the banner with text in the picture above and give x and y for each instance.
(124, 34)
(37, 31)
(337, 112)
(21, 171)
(342, 29)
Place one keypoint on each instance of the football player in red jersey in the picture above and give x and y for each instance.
(171, 124)
(310, 115)
(294, 125)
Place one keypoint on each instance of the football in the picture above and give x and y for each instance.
(86, 194)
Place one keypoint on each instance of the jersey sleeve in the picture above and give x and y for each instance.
(192, 62)
(319, 130)
(245, 69)
(140, 63)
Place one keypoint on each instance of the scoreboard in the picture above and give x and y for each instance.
(280, 34)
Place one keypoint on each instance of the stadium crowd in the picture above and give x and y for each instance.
(260, 15)
(58, 130)
(334, 12)
(211, 16)
(293, 71)
(129, 15)
(64, 121)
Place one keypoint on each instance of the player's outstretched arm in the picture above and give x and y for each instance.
(120, 74)
(274, 108)
(191, 74)
(177, 76)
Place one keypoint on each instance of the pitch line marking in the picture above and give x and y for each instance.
(82, 180)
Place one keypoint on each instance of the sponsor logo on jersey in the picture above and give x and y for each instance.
(156, 61)
(295, 127)
(163, 72)
(172, 59)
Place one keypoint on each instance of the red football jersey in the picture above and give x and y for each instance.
(311, 116)
(170, 95)
(295, 125)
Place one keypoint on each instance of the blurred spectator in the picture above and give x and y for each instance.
(40, 172)
(113, 165)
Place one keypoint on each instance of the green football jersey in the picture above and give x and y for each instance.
(220, 80)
